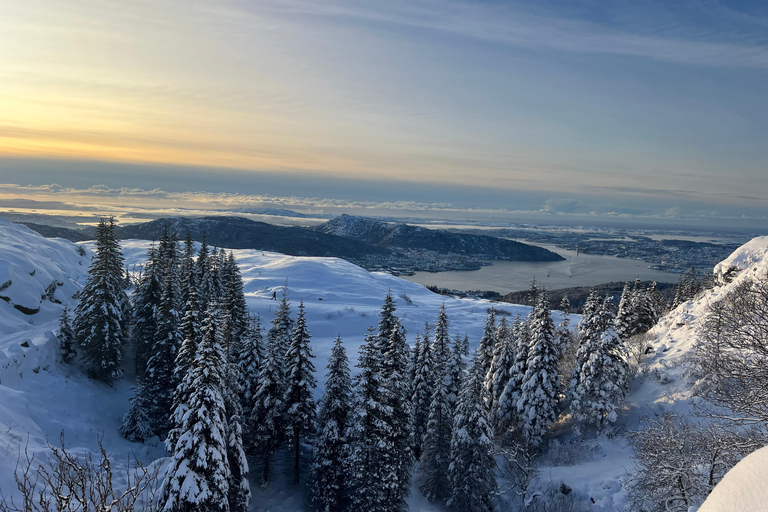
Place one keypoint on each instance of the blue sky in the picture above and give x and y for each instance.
(641, 108)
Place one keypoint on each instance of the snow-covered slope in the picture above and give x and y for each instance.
(40, 397)
(37, 274)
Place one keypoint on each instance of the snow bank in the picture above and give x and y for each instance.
(743, 487)
(37, 276)
(751, 256)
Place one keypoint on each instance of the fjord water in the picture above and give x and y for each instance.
(575, 270)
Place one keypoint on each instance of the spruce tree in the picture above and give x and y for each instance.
(239, 496)
(234, 303)
(564, 334)
(487, 346)
(282, 323)
(330, 488)
(396, 471)
(202, 270)
(198, 477)
(423, 387)
(251, 356)
(99, 322)
(435, 456)
(471, 472)
(136, 425)
(538, 404)
(66, 337)
(267, 419)
(300, 405)
(146, 302)
(367, 433)
(599, 381)
(456, 369)
(501, 364)
(159, 381)
(626, 318)
(504, 416)
(191, 330)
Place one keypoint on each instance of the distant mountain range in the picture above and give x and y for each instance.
(242, 233)
(371, 243)
(398, 236)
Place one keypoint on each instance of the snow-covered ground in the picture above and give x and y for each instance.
(40, 398)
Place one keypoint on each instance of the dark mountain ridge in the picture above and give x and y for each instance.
(399, 236)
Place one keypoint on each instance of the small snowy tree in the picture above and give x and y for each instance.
(626, 318)
(300, 405)
(66, 337)
(330, 482)
(471, 472)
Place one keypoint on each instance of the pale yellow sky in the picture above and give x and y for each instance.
(429, 91)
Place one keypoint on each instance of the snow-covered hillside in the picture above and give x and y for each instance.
(40, 397)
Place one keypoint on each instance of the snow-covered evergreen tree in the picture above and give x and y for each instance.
(456, 369)
(282, 323)
(198, 477)
(505, 416)
(192, 331)
(66, 337)
(437, 440)
(645, 317)
(626, 318)
(471, 472)
(145, 304)
(501, 364)
(538, 404)
(487, 346)
(564, 334)
(267, 419)
(136, 425)
(395, 473)
(202, 271)
(300, 380)
(250, 357)
(599, 382)
(159, 381)
(421, 398)
(367, 432)
(239, 496)
(435, 456)
(234, 303)
(330, 490)
(99, 321)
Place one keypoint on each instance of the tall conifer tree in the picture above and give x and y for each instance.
(99, 322)
(330, 490)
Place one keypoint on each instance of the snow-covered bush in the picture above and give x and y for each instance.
(678, 463)
(733, 351)
(69, 483)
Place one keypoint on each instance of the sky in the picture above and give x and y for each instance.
(637, 110)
